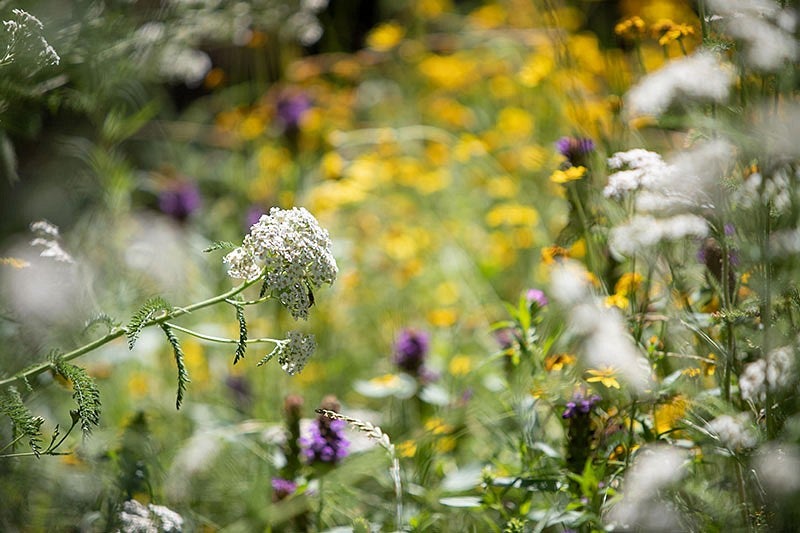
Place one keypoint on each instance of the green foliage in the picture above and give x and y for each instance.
(241, 346)
(144, 316)
(219, 245)
(85, 393)
(25, 425)
(183, 374)
(101, 319)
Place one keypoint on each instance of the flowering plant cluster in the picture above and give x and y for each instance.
(565, 250)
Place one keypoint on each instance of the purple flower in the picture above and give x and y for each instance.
(579, 405)
(291, 108)
(326, 442)
(411, 350)
(574, 148)
(180, 199)
(282, 488)
(535, 296)
(254, 213)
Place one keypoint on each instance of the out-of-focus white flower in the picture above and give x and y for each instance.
(635, 169)
(293, 252)
(643, 231)
(765, 28)
(655, 468)
(137, 518)
(732, 433)
(778, 468)
(776, 371)
(701, 76)
(48, 238)
(184, 64)
(605, 339)
(23, 37)
(775, 191)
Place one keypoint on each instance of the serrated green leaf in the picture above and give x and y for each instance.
(100, 319)
(220, 245)
(241, 347)
(183, 374)
(23, 421)
(85, 393)
(148, 311)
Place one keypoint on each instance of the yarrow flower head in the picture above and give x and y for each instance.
(293, 352)
(293, 254)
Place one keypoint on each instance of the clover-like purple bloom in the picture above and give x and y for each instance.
(536, 296)
(580, 405)
(282, 488)
(326, 442)
(180, 199)
(574, 149)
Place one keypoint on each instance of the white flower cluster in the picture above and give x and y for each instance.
(136, 518)
(606, 342)
(776, 190)
(701, 76)
(294, 352)
(732, 432)
(23, 36)
(292, 252)
(48, 238)
(642, 508)
(766, 29)
(777, 372)
(668, 194)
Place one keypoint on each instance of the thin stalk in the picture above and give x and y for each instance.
(727, 305)
(766, 319)
(118, 332)
(630, 434)
(222, 340)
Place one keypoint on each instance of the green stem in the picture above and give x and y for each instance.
(223, 340)
(630, 434)
(118, 332)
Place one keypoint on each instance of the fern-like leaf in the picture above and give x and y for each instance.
(183, 374)
(241, 347)
(23, 421)
(85, 393)
(264, 288)
(148, 311)
(220, 245)
(100, 319)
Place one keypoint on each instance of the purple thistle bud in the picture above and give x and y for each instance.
(282, 488)
(411, 350)
(326, 442)
(535, 296)
(291, 107)
(180, 199)
(579, 405)
(574, 148)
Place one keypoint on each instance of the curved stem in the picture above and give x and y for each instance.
(118, 332)
(223, 340)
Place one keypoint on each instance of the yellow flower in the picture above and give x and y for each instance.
(578, 249)
(667, 415)
(407, 448)
(710, 368)
(442, 318)
(489, 16)
(138, 384)
(14, 262)
(332, 165)
(631, 28)
(515, 122)
(502, 187)
(449, 72)
(385, 36)
(460, 365)
(551, 253)
(668, 31)
(628, 283)
(570, 174)
(617, 300)
(512, 215)
(438, 426)
(558, 361)
(606, 377)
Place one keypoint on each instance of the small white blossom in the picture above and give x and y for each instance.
(732, 432)
(752, 382)
(643, 231)
(296, 353)
(777, 372)
(701, 76)
(294, 254)
(48, 239)
(23, 37)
